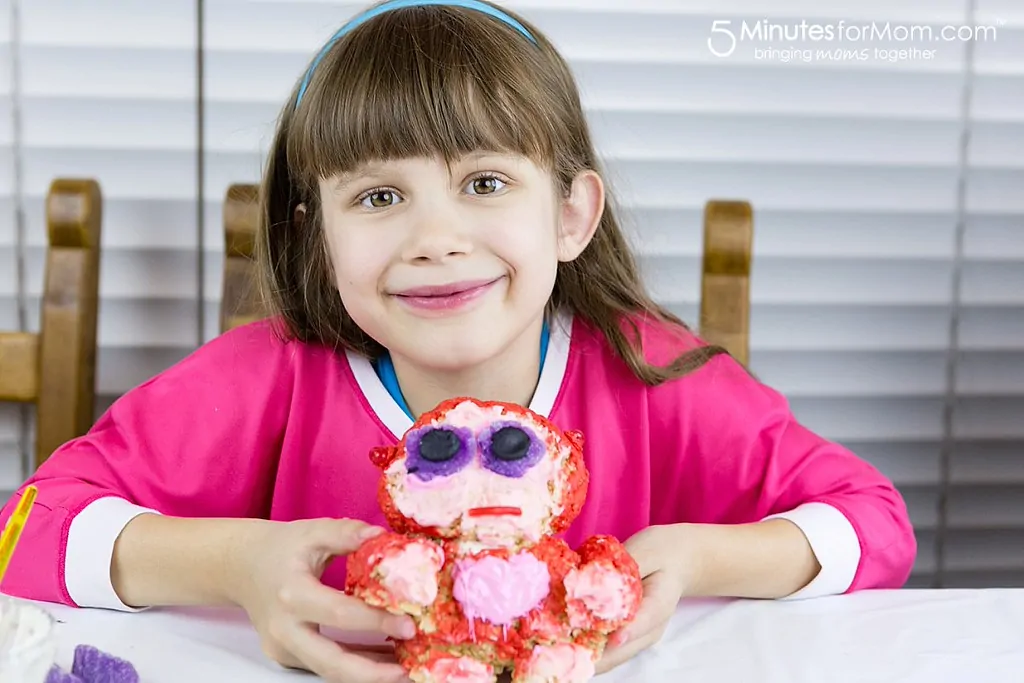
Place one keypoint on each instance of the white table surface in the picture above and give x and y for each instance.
(906, 636)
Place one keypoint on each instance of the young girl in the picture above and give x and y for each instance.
(434, 224)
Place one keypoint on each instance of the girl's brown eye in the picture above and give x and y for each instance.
(485, 185)
(381, 199)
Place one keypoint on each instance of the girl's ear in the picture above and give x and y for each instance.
(300, 214)
(580, 214)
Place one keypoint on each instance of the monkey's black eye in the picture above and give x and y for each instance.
(510, 443)
(439, 445)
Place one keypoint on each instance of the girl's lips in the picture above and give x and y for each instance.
(445, 290)
(445, 297)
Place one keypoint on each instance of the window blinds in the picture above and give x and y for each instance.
(109, 92)
(854, 168)
(985, 539)
(10, 415)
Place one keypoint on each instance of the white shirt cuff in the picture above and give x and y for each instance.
(90, 549)
(834, 543)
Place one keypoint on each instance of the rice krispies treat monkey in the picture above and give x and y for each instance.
(475, 492)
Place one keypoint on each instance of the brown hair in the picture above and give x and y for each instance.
(443, 81)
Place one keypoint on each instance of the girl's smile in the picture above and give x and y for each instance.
(445, 299)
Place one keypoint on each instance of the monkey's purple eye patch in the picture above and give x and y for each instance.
(510, 449)
(438, 451)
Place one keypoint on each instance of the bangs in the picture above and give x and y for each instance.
(427, 82)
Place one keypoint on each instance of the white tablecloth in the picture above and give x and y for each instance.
(907, 636)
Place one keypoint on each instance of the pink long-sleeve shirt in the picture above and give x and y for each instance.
(250, 425)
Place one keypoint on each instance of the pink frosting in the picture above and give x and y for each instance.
(601, 588)
(563, 662)
(461, 670)
(411, 574)
(498, 590)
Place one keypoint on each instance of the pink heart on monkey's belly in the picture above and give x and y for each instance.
(498, 590)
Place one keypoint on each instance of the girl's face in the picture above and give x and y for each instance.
(447, 266)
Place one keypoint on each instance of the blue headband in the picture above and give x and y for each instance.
(401, 4)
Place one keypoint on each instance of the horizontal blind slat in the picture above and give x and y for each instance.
(992, 328)
(145, 323)
(141, 223)
(875, 419)
(814, 281)
(123, 174)
(992, 373)
(987, 462)
(989, 417)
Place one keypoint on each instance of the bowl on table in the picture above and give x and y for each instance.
(28, 641)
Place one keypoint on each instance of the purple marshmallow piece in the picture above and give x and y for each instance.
(58, 675)
(95, 666)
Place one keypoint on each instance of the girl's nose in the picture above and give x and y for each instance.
(437, 235)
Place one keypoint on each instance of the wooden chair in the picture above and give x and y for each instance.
(725, 276)
(240, 301)
(56, 368)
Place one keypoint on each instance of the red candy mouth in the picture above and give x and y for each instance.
(495, 511)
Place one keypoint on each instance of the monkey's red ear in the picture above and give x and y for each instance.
(383, 456)
(575, 437)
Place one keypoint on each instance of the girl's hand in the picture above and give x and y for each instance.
(665, 573)
(286, 601)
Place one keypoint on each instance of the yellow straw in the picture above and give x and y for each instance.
(12, 533)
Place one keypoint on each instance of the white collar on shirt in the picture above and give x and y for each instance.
(551, 376)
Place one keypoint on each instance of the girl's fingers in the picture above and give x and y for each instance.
(660, 601)
(333, 663)
(311, 601)
(341, 536)
(656, 610)
(615, 656)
